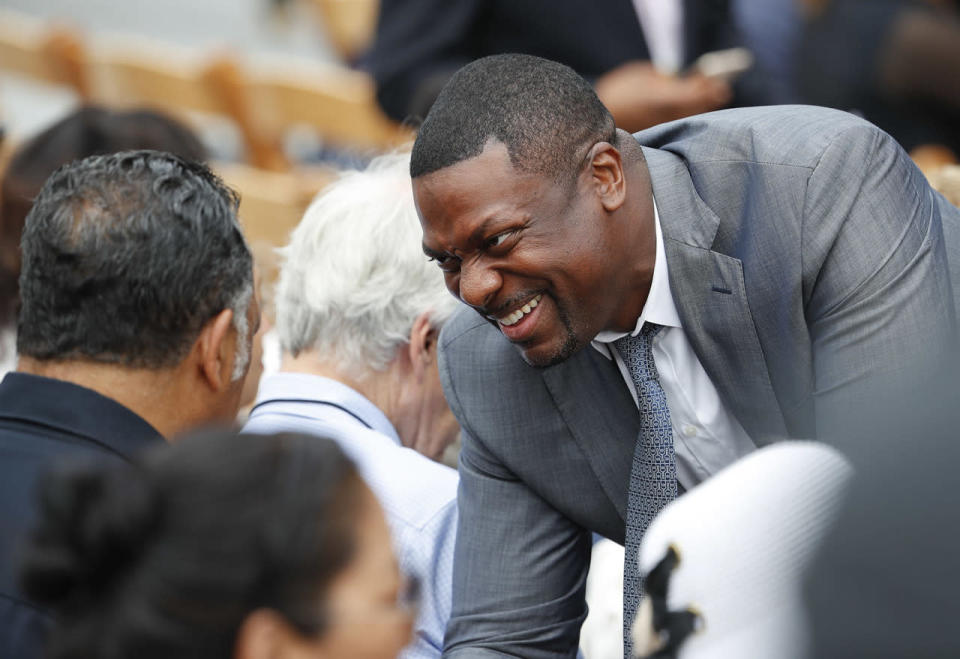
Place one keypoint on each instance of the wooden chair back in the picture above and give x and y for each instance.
(128, 73)
(338, 103)
(47, 53)
(272, 203)
(350, 24)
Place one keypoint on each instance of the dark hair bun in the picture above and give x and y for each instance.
(95, 524)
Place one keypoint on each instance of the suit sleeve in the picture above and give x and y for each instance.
(878, 299)
(519, 572)
(419, 44)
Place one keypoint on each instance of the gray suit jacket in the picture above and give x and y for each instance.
(806, 260)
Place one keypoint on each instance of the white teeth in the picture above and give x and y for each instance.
(514, 317)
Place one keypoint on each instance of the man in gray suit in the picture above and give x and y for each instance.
(790, 259)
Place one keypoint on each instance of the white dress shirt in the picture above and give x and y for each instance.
(706, 437)
(418, 495)
(662, 24)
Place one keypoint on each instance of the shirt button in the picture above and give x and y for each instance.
(690, 430)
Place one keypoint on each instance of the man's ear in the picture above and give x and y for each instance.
(217, 350)
(607, 175)
(422, 350)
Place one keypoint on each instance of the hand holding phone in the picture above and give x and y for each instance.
(723, 64)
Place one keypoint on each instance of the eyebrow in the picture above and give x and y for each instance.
(476, 237)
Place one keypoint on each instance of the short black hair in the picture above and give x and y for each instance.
(168, 557)
(543, 111)
(126, 257)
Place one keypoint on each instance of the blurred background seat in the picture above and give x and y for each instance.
(337, 103)
(349, 24)
(272, 203)
(44, 51)
(125, 72)
(275, 118)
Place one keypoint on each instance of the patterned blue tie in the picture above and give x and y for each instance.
(653, 476)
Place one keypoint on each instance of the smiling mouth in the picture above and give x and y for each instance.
(516, 315)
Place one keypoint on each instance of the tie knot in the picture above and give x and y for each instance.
(650, 330)
(637, 353)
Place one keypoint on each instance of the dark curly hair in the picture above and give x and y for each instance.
(126, 257)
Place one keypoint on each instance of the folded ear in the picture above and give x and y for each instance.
(608, 178)
(423, 343)
(217, 349)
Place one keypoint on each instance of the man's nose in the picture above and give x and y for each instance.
(478, 284)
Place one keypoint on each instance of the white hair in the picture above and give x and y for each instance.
(240, 305)
(354, 277)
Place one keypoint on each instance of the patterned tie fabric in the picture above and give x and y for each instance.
(653, 476)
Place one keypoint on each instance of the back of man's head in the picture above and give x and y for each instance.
(88, 131)
(544, 112)
(354, 278)
(126, 257)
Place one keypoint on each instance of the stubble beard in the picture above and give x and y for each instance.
(570, 346)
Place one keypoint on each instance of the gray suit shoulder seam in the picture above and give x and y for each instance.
(876, 135)
(754, 162)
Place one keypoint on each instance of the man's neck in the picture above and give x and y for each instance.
(639, 239)
(150, 394)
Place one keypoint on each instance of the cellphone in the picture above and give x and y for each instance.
(724, 64)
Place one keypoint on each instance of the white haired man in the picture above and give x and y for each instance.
(359, 310)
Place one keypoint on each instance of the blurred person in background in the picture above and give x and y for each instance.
(137, 311)
(771, 30)
(89, 131)
(638, 54)
(221, 547)
(359, 309)
(895, 62)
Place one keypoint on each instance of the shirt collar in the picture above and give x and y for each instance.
(75, 410)
(307, 387)
(659, 307)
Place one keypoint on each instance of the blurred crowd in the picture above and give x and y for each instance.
(891, 61)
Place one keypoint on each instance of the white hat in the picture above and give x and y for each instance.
(743, 540)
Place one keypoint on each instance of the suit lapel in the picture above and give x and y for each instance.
(709, 292)
(711, 298)
(602, 417)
